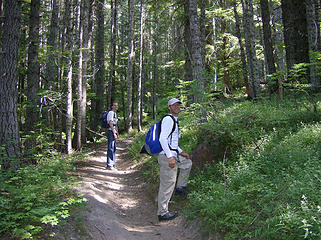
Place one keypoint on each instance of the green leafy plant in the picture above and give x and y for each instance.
(32, 197)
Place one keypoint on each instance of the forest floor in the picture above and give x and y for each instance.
(119, 206)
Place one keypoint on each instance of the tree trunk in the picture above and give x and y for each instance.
(91, 119)
(51, 81)
(187, 47)
(313, 42)
(79, 82)
(224, 52)
(67, 74)
(123, 64)
(130, 65)
(1, 20)
(243, 57)
(267, 36)
(141, 61)
(203, 29)
(52, 69)
(250, 47)
(113, 38)
(9, 131)
(82, 79)
(295, 32)
(86, 42)
(75, 65)
(196, 53)
(214, 53)
(100, 57)
(33, 77)
(154, 72)
(278, 38)
(317, 15)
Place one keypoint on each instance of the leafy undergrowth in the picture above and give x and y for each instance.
(35, 197)
(268, 186)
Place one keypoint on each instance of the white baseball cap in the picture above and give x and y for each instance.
(173, 101)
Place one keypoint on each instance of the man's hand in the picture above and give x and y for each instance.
(184, 154)
(116, 136)
(171, 162)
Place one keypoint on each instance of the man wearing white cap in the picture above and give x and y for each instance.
(170, 159)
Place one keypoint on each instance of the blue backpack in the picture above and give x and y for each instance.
(103, 119)
(152, 145)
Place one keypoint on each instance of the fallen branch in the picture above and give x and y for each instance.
(96, 133)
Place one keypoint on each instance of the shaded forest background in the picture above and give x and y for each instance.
(64, 62)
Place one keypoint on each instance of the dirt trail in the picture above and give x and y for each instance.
(118, 206)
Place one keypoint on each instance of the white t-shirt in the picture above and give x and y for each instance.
(112, 116)
(168, 141)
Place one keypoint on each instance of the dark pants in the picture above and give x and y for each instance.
(111, 151)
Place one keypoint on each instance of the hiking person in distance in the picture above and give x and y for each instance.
(112, 135)
(170, 159)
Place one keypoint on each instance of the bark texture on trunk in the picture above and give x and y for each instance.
(9, 131)
(141, 61)
(33, 76)
(295, 32)
(313, 26)
(100, 50)
(196, 52)
(130, 66)
(250, 47)
(267, 37)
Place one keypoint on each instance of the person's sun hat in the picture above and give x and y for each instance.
(173, 101)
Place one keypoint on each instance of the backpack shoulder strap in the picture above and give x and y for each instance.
(160, 124)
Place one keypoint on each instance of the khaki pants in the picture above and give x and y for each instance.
(168, 179)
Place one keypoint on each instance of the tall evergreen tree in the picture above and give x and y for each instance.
(214, 52)
(67, 72)
(113, 42)
(141, 60)
(252, 62)
(203, 28)
(82, 78)
(312, 26)
(100, 50)
(224, 51)
(130, 65)
(75, 66)
(243, 57)
(154, 71)
(196, 52)
(295, 32)
(187, 44)
(51, 68)
(33, 75)
(1, 19)
(267, 36)
(9, 132)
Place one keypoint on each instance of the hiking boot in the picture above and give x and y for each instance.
(181, 191)
(168, 216)
(111, 168)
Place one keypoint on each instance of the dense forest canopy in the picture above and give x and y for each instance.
(63, 62)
